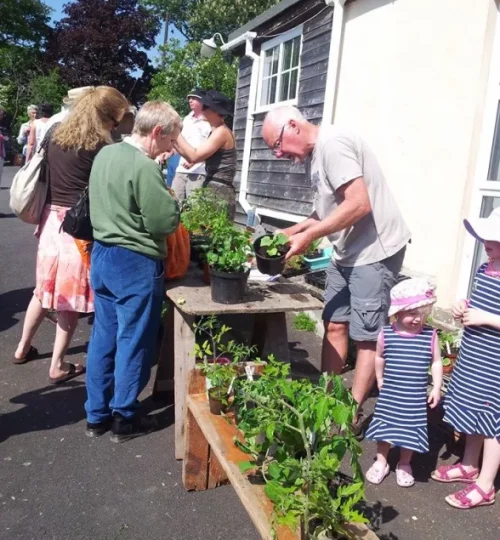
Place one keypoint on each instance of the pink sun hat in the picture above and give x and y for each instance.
(411, 294)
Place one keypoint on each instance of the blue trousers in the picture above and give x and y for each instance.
(128, 295)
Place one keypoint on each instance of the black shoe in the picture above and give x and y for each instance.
(97, 429)
(125, 429)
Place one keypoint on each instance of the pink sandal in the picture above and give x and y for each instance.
(462, 502)
(441, 474)
(376, 473)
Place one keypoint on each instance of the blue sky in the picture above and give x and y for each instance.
(57, 6)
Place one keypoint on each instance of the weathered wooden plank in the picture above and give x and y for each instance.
(243, 72)
(299, 208)
(314, 70)
(323, 41)
(164, 381)
(310, 85)
(239, 134)
(243, 92)
(311, 98)
(196, 456)
(184, 362)
(260, 297)
(280, 191)
(261, 154)
(277, 166)
(241, 106)
(325, 17)
(314, 55)
(258, 143)
(239, 121)
(216, 474)
(282, 179)
(245, 62)
(318, 31)
(244, 80)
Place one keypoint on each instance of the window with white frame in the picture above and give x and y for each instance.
(280, 67)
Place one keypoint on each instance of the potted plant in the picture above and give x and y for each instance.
(448, 365)
(449, 343)
(316, 258)
(227, 258)
(270, 252)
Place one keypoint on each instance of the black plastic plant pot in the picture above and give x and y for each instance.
(198, 241)
(228, 287)
(271, 266)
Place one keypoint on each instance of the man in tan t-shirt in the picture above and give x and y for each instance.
(354, 207)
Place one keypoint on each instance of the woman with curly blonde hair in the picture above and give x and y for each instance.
(62, 270)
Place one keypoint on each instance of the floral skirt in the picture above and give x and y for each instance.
(62, 273)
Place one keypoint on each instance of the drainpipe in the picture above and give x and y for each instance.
(248, 38)
(332, 78)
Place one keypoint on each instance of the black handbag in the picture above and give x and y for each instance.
(76, 222)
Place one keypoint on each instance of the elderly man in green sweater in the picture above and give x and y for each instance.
(131, 212)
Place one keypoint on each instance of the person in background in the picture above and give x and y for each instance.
(218, 151)
(354, 207)
(62, 275)
(172, 164)
(195, 131)
(25, 129)
(3, 155)
(132, 212)
(39, 129)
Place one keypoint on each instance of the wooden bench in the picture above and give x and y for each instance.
(211, 458)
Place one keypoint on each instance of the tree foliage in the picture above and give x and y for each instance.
(23, 21)
(187, 69)
(104, 43)
(198, 19)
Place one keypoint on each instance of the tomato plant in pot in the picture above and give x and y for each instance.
(227, 258)
(270, 252)
(449, 343)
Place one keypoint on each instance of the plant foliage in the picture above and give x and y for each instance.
(202, 209)
(275, 245)
(304, 322)
(297, 434)
(228, 248)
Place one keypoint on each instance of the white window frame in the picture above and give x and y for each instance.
(481, 186)
(279, 40)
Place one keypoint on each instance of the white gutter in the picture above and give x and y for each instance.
(248, 38)
(333, 73)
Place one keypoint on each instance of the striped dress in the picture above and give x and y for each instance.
(400, 416)
(472, 403)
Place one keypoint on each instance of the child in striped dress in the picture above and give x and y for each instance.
(405, 350)
(472, 403)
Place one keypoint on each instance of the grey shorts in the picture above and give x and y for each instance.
(360, 295)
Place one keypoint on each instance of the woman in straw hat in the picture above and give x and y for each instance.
(405, 350)
(473, 400)
(62, 270)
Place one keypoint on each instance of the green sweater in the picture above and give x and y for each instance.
(130, 205)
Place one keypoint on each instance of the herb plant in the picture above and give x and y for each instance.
(228, 249)
(449, 342)
(275, 245)
(202, 209)
(313, 247)
(297, 434)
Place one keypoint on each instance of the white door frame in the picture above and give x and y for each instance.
(481, 187)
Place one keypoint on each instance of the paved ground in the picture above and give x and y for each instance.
(57, 484)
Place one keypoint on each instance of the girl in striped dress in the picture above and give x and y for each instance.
(405, 350)
(472, 403)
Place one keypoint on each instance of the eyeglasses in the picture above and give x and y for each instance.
(277, 145)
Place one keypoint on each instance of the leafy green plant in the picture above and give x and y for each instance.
(202, 209)
(449, 342)
(313, 247)
(295, 263)
(446, 362)
(275, 245)
(304, 322)
(229, 249)
(297, 434)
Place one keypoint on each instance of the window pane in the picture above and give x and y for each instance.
(272, 90)
(285, 84)
(494, 170)
(489, 204)
(276, 58)
(296, 52)
(293, 84)
(268, 60)
(287, 54)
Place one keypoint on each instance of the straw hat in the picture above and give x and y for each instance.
(75, 93)
(411, 294)
(485, 228)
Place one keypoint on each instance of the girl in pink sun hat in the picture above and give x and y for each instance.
(472, 403)
(405, 350)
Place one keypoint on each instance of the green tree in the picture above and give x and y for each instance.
(198, 19)
(23, 21)
(187, 69)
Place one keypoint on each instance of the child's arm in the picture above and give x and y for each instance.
(436, 372)
(478, 317)
(380, 360)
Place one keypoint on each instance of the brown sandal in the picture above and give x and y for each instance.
(32, 354)
(72, 373)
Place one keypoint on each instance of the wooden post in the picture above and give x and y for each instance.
(164, 381)
(184, 362)
(196, 456)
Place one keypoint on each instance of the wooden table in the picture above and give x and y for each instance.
(269, 302)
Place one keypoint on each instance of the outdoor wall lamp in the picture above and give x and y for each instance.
(208, 46)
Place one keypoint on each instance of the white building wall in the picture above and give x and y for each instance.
(412, 82)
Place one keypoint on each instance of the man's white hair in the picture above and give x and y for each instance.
(282, 115)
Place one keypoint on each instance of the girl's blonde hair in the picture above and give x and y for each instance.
(85, 127)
